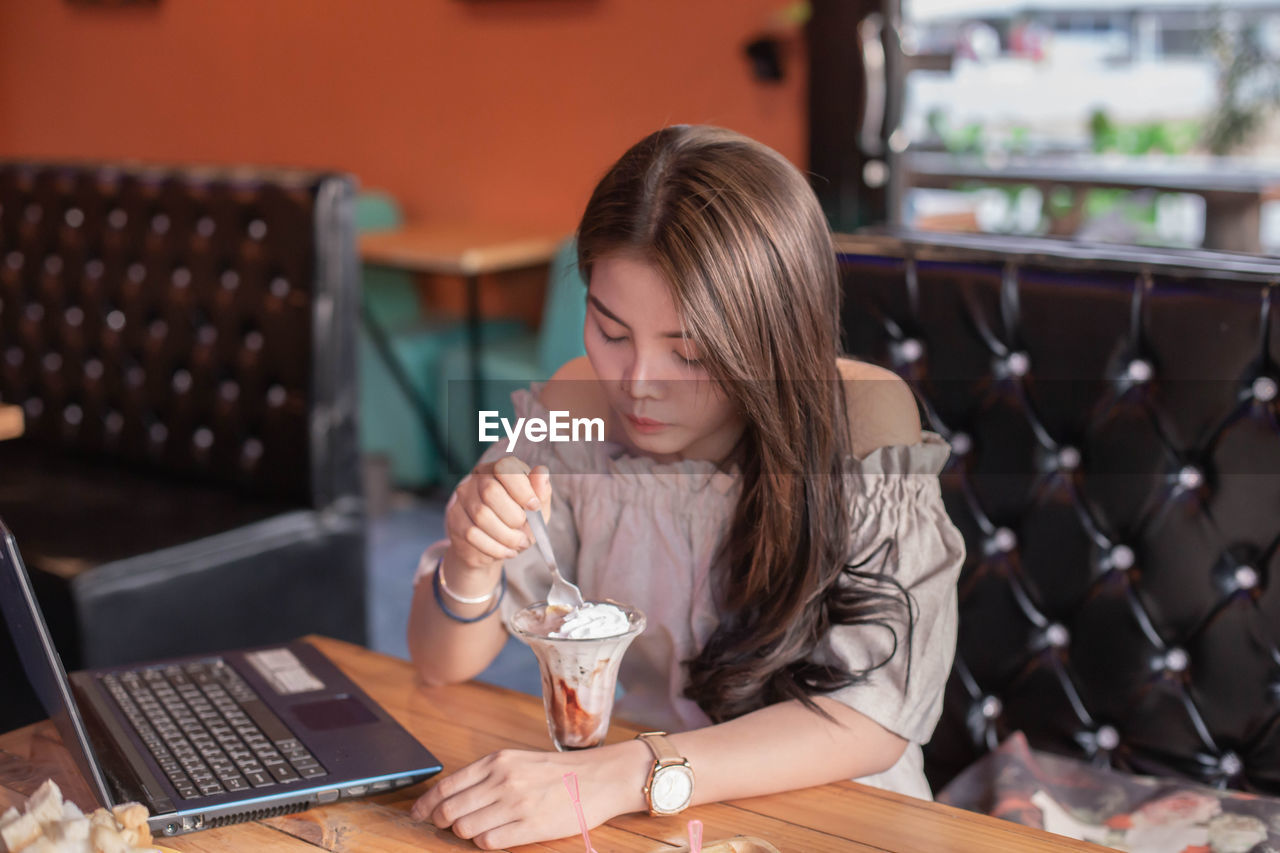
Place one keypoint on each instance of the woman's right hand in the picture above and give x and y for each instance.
(485, 518)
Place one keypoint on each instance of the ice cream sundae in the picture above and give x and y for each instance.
(579, 651)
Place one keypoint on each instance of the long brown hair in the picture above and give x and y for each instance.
(744, 245)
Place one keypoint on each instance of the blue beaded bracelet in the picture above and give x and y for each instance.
(444, 608)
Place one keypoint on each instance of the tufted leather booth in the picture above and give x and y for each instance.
(182, 343)
(1116, 474)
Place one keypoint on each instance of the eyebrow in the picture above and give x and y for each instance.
(615, 318)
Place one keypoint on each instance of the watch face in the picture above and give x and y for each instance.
(672, 788)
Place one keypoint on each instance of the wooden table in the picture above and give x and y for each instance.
(468, 251)
(464, 722)
(11, 422)
(1233, 191)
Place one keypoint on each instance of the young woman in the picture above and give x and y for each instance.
(772, 508)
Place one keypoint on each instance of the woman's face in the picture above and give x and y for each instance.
(661, 396)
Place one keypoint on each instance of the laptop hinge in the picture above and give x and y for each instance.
(113, 737)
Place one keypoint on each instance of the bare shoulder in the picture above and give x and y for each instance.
(575, 389)
(881, 407)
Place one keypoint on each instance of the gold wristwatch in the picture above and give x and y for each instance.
(669, 788)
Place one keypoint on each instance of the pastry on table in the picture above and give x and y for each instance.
(49, 824)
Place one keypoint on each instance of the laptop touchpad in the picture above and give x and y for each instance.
(336, 713)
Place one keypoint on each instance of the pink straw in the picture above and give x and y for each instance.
(695, 836)
(571, 783)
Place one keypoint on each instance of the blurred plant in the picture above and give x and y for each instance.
(970, 139)
(1164, 137)
(1248, 84)
(1019, 141)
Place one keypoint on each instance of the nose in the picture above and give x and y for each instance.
(644, 377)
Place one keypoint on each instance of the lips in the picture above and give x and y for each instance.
(646, 424)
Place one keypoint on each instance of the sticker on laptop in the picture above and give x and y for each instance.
(284, 672)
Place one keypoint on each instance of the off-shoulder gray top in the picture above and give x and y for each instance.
(645, 533)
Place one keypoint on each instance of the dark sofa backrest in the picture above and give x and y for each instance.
(1116, 473)
(197, 321)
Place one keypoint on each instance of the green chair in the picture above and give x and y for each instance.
(390, 425)
(514, 361)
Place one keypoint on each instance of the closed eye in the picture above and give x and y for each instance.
(608, 338)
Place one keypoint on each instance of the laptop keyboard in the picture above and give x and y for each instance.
(208, 730)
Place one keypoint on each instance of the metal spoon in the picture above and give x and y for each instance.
(562, 593)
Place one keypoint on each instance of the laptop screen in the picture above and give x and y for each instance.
(41, 661)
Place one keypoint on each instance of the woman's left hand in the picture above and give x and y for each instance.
(516, 797)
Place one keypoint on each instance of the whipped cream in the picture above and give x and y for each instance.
(593, 621)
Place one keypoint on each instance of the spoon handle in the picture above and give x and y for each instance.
(539, 528)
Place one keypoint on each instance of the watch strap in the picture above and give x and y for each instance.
(664, 751)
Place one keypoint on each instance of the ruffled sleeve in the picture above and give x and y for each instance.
(901, 528)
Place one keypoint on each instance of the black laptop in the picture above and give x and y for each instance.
(217, 739)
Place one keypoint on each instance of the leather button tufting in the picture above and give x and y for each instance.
(251, 453)
(257, 229)
(1002, 541)
(990, 707)
(1230, 764)
(1246, 577)
(1121, 557)
(117, 219)
(1018, 364)
(908, 351)
(1139, 371)
(74, 217)
(1137, 464)
(1190, 478)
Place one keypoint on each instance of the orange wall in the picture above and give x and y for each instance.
(488, 110)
